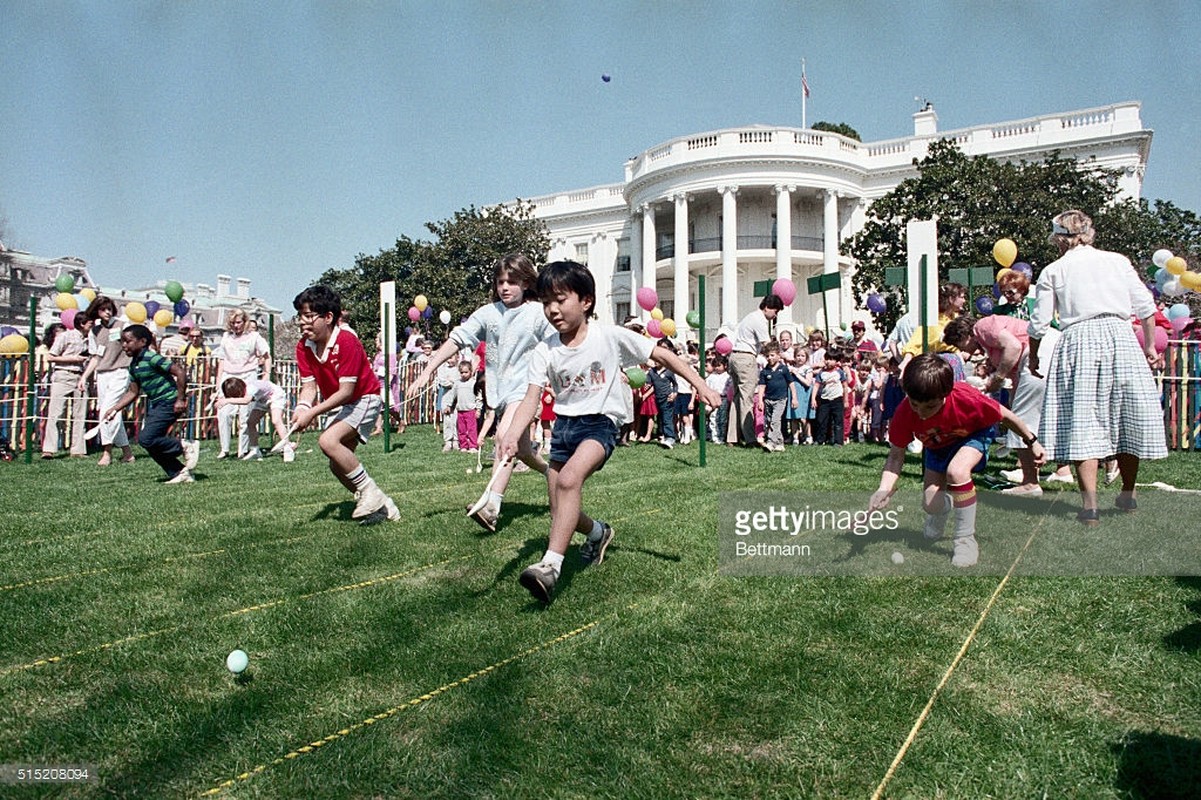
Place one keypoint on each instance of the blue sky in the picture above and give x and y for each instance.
(275, 140)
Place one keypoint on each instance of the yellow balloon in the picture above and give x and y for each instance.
(657, 313)
(1005, 252)
(89, 293)
(1176, 265)
(1001, 273)
(1191, 280)
(668, 326)
(163, 317)
(14, 344)
(65, 300)
(421, 301)
(136, 313)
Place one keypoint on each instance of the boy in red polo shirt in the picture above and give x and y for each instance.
(332, 361)
(952, 421)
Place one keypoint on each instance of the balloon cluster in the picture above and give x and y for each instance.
(1172, 276)
(1005, 253)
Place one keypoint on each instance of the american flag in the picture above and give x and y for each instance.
(171, 259)
(804, 84)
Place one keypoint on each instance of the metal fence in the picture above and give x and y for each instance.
(200, 421)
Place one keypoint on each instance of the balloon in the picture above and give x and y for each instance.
(444, 317)
(8, 330)
(1161, 338)
(82, 302)
(1191, 280)
(90, 294)
(1024, 268)
(668, 326)
(1162, 277)
(1176, 265)
(174, 291)
(163, 317)
(414, 313)
(136, 312)
(1001, 273)
(784, 289)
(606, 77)
(724, 346)
(420, 302)
(152, 307)
(1178, 310)
(1160, 257)
(637, 377)
(984, 305)
(1005, 251)
(654, 328)
(648, 298)
(182, 307)
(1173, 288)
(693, 318)
(1178, 324)
(14, 344)
(68, 317)
(65, 301)
(65, 284)
(656, 313)
(876, 303)
(996, 291)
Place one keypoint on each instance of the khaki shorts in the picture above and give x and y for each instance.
(360, 415)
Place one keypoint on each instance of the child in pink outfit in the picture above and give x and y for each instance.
(466, 419)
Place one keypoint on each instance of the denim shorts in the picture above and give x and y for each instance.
(570, 432)
(938, 460)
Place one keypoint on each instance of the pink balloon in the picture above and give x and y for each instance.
(1161, 338)
(784, 289)
(724, 346)
(1178, 324)
(414, 314)
(654, 328)
(68, 317)
(648, 298)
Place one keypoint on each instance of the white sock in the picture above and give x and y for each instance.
(495, 499)
(598, 530)
(554, 561)
(359, 478)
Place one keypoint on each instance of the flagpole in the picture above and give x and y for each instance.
(804, 94)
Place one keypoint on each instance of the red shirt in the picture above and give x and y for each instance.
(965, 411)
(344, 361)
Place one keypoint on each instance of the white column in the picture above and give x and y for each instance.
(729, 255)
(636, 266)
(830, 254)
(648, 254)
(784, 242)
(680, 263)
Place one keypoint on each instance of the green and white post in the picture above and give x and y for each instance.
(387, 329)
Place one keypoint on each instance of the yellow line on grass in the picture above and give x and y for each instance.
(394, 710)
(967, 643)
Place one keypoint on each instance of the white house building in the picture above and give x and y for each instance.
(759, 203)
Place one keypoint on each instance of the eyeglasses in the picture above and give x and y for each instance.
(1014, 293)
(307, 316)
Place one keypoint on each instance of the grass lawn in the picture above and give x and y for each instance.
(404, 660)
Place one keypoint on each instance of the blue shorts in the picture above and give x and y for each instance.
(570, 432)
(683, 401)
(938, 460)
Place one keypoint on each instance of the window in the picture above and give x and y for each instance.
(620, 312)
(623, 255)
(581, 253)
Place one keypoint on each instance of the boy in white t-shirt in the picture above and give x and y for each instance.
(718, 380)
(581, 363)
(262, 396)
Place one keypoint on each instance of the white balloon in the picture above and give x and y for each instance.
(445, 317)
(1161, 257)
(1173, 288)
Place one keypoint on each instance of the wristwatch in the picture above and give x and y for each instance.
(1030, 442)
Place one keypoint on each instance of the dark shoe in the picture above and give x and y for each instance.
(539, 580)
(1088, 516)
(594, 552)
(1126, 502)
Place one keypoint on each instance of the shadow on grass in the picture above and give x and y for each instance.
(1188, 638)
(1158, 765)
(341, 510)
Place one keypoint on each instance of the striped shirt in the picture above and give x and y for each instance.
(152, 373)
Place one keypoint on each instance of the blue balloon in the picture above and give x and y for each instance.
(606, 77)
(1178, 310)
(429, 312)
(82, 302)
(996, 291)
(876, 304)
(1162, 277)
(182, 307)
(984, 305)
(152, 307)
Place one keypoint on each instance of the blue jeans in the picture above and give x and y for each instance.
(667, 416)
(164, 449)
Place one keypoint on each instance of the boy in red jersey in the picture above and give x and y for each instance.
(332, 361)
(952, 421)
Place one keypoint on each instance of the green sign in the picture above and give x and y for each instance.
(896, 276)
(975, 276)
(762, 288)
(824, 282)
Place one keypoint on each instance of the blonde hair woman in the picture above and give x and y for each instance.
(243, 354)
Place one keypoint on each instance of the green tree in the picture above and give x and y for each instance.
(838, 127)
(453, 271)
(978, 200)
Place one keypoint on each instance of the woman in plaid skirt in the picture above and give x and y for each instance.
(1101, 397)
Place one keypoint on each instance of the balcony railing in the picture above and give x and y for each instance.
(713, 244)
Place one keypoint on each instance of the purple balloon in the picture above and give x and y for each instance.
(182, 307)
(984, 305)
(996, 291)
(876, 304)
(152, 307)
(429, 312)
(1024, 268)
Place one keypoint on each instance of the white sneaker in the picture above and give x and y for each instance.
(388, 511)
(914, 447)
(1024, 490)
(1012, 475)
(183, 476)
(967, 553)
(223, 454)
(1001, 452)
(1055, 477)
(368, 500)
(289, 453)
(191, 451)
(253, 454)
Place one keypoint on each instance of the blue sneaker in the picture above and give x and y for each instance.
(593, 552)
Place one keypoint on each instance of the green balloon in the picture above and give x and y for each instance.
(637, 377)
(64, 284)
(693, 318)
(174, 291)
